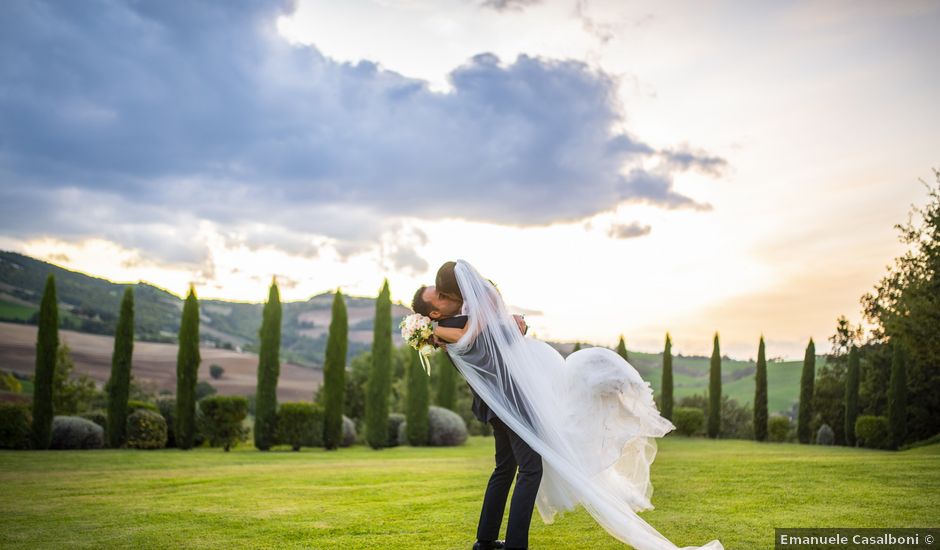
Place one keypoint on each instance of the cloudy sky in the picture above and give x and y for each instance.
(616, 167)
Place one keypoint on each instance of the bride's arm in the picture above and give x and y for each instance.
(451, 334)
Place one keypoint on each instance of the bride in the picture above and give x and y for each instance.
(591, 416)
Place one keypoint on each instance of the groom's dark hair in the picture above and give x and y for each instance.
(419, 305)
(446, 280)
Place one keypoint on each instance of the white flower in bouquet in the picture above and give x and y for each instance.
(416, 330)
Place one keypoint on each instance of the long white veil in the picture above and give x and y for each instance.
(591, 418)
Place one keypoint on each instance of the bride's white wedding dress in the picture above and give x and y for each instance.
(591, 417)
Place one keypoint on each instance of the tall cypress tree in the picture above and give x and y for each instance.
(577, 347)
(446, 381)
(334, 375)
(269, 369)
(897, 396)
(187, 372)
(119, 384)
(380, 374)
(622, 349)
(47, 346)
(667, 395)
(807, 380)
(852, 381)
(714, 392)
(761, 416)
(416, 401)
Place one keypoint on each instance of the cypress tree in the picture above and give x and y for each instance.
(269, 369)
(714, 392)
(852, 381)
(334, 375)
(446, 381)
(187, 372)
(807, 380)
(47, 346)
(577, 347)
(761, 416)
(119, 384)
(622, 349)
(379, 386)
(667, 396)
(897, 396)
(416, 401)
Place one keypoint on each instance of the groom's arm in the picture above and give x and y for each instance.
(451, 329)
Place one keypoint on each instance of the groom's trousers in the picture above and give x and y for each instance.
(511, 452)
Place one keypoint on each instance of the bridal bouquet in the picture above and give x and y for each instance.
(416, 330)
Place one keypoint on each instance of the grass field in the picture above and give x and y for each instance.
(736, 491)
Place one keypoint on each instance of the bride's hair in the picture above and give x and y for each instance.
(446, 280)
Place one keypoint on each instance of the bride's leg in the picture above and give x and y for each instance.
(497, 490)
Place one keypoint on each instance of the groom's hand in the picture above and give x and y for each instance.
(520, 321)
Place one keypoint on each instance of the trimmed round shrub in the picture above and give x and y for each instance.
(349, 432)
(16, 422)
(313, 436)
(134, 405)
(222, 417)
(825, 435)
(403, 433)
(99, 417)
(447, 428)
(146, 430)
(167, 408)
(688, 420)
(777, 428)
(296, 422)
(872, 432)
(74, 432)
(395, 420)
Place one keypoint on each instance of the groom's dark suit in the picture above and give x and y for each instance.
(511, 451)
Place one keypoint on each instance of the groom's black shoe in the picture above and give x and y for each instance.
(489, 545)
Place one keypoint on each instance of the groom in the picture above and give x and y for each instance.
(443, 303)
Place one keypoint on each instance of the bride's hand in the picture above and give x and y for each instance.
(520, 321)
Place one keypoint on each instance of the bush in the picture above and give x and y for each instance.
(777, 428)
(9, 383)
(446, 427)
(395, 420)
(825, 435)
(146, 430)
(688, 420)
(349, 432)
(216, 371)
(872, 432)
(136, 405)
(222, 420)
(99, 417)
(16, 422)
(167, 408)
(403, 433)
(297, 422)
(73, 432)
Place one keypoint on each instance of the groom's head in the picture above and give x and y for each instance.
(428, 301)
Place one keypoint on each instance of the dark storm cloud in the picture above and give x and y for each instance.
(129, 119)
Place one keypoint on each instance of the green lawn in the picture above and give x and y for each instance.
(737, 491)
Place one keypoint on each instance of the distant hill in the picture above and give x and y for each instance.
(90, 304)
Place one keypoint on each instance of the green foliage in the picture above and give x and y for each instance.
(166, 406)
(577, 347)
(897, 398)
(118, 386)
(136, 405)
(714, 391)
(445, 384)
(903, 309)
(47, 347)
(688, 420)
(807, 380)
(334, 375)
(872, 432)
(825, 435)
(760, 394)
(778, 427)
(8, 382)
(187, 372)
(99, 417)
(357, 382)
(297, 421)
(622, 349)
(216, 371)
(15, 426)
(395, 420)
(269, 369)
(145, 430)
(380, 374)
(445, 428)
(222, 417)
(349, 432)
(70, 395)
(666, 395)
(851, 396)
(416, 406)
(204, 389)
(74, 432)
